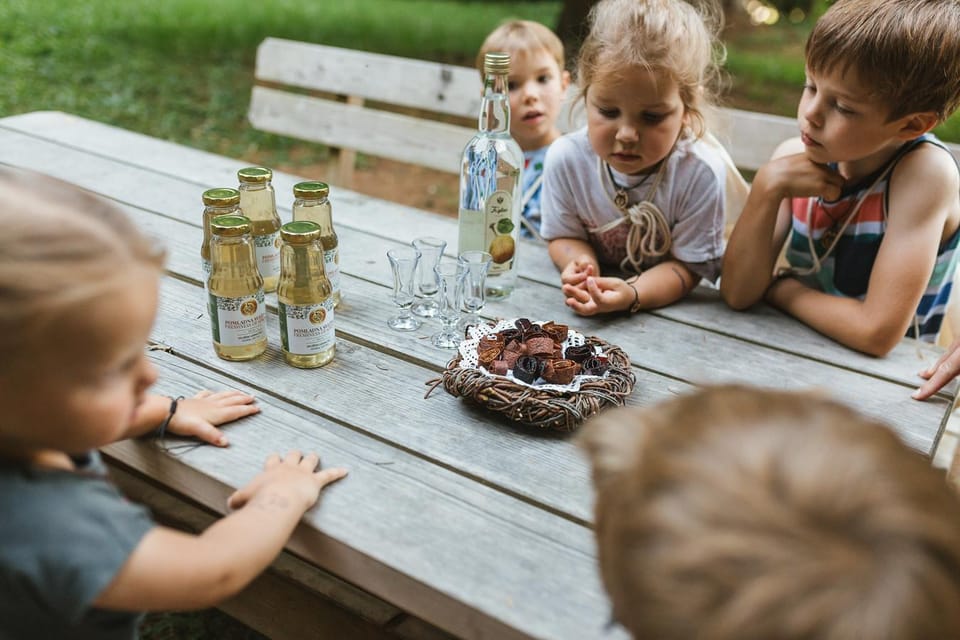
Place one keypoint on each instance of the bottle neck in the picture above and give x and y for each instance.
(495, 107)
(233, 256)
(302, 263)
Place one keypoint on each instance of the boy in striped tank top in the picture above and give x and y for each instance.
(869, 198)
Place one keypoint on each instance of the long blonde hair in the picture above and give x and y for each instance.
(59, 247)
(670, 37)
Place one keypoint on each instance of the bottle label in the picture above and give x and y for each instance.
(499, 231)
(268, 254)
(331, 264)
(238, 322)
(307, 329)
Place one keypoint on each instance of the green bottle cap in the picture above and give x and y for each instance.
(255, 174)
(311, 189)
(230, 226)
(221, 197)
(300, 232)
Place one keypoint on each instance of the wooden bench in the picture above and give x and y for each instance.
(420, 112)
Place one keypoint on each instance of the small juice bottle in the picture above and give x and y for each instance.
(259, 204)
(305, 298)
(216, 202)
(237, 312)
(311, 202)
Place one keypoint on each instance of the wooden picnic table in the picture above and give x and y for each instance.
(477, 526)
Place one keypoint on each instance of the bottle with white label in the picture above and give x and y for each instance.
(237, 312)
(259, 203)
(311, 202)
(304, 297)
(490, 198)
(216, 202)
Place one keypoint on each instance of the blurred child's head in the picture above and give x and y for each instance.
(742, 514)
(538, 80)
(903, 54)
(78, 293)
(646, 71)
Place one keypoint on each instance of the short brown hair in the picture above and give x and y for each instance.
(518, 37)
(736, 513)
(905, 52)
(60, 247)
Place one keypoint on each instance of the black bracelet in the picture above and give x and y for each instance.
(162, 429)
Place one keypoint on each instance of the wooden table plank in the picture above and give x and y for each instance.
(200, 170)
(409, 531)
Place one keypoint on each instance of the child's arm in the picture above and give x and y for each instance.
(751, 253)
(922, 191)
(196, 416)
(174, 570)
(656, 287)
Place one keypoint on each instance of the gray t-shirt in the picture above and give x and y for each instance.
(63, 537)
(577, 199)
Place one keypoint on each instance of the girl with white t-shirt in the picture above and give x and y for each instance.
(641, 190)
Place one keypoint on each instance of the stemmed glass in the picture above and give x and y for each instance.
(430, 251)
(403, 262)
(477, 264)
(449, 277)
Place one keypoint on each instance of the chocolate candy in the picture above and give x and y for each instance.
(527, 368)
(579, 353)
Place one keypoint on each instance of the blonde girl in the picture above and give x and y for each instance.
(640, 191)
(78, 295)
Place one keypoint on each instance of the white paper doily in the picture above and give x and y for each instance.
(468, 355)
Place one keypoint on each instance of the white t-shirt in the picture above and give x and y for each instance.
(690, 196)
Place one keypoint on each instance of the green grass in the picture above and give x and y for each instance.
(182, 69)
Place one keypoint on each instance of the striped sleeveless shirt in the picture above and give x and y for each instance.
(846, 270)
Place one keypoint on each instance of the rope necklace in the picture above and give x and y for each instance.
(649, 234)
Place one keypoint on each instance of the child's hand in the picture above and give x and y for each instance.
(197, 416)
(577, 271)
(939, 373)
(599, 295)
(796, 176)
(294, 477)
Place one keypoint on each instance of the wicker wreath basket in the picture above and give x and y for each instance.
(562, 410)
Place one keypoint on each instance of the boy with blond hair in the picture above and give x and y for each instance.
(538, 84)
(873, 199)
(734, 513)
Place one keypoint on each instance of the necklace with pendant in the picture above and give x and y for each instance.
(621, 196)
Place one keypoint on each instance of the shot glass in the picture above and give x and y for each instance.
(403, 262)
(431, 249)
(477, 264)
(449, 277)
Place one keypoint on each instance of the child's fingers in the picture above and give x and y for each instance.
(233, 412)
(310, 461)
(209, 433)
(293, 457)
(579, 294)
(272, 460)
(327, 476)
(203, 393)
(238, 498)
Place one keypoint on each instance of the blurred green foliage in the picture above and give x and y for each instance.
(182, 69)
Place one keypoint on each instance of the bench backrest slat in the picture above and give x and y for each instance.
(428, 143)
(405, 82)
(444, 89)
